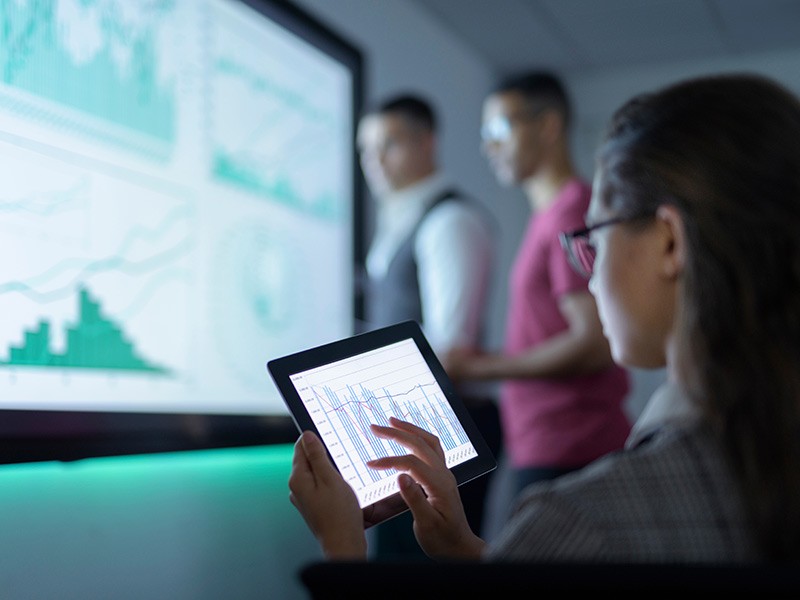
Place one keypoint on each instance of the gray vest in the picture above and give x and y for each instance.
(395, 297)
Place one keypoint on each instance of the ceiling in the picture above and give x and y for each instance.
(578, 35)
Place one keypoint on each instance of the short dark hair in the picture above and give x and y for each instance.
(543, 89)
(415, 108)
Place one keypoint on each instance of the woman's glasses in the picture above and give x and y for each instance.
(580, 250)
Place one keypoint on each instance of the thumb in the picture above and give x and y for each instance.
(315, 454)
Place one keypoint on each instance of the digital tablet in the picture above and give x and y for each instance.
(338, 389)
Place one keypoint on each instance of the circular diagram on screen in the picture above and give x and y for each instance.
(255, 302)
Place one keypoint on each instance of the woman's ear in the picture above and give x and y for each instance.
(670, 222)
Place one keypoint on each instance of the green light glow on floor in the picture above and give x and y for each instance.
(202, 524)
(271, 463)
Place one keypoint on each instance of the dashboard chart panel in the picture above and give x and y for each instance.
(179, 202)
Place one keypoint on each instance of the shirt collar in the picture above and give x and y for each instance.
(416, 195)
(668, 405)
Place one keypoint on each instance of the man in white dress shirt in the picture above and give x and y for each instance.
(430, 260)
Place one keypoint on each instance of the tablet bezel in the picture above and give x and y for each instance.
(281, 369)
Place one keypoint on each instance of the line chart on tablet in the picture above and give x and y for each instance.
(343, 398)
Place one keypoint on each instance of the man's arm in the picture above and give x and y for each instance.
(579, 350)
(454, 252)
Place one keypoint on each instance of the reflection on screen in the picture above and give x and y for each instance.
(345, 397)
(176, 204)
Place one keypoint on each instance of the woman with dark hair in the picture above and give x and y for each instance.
(692, 247)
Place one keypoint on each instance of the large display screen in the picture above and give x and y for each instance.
(178, 205)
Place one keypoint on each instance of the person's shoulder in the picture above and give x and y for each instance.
(651, 498)
(672, 458)
(454, 195)
(461, 207)
(571, 204)
(576, 193)
(674, 449)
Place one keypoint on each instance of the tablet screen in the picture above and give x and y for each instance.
(345, 397)
(339, 389)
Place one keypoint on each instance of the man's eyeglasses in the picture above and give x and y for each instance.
(498, 129)
(580, 250)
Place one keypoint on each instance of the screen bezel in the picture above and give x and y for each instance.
(46, 435)
(281, 370)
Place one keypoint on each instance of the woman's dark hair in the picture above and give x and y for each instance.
(725, 151)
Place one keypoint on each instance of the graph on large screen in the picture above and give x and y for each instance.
(344, 397)
(177, 204)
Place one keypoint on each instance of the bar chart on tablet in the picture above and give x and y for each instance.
(345, 397)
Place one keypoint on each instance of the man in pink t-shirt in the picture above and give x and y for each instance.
(562, 397)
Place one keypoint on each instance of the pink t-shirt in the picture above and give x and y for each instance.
(557, 422)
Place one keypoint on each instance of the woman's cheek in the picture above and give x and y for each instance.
(613, 312)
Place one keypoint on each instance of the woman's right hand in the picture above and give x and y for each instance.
(429, 488)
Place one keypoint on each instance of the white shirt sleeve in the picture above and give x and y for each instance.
(454, 250)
